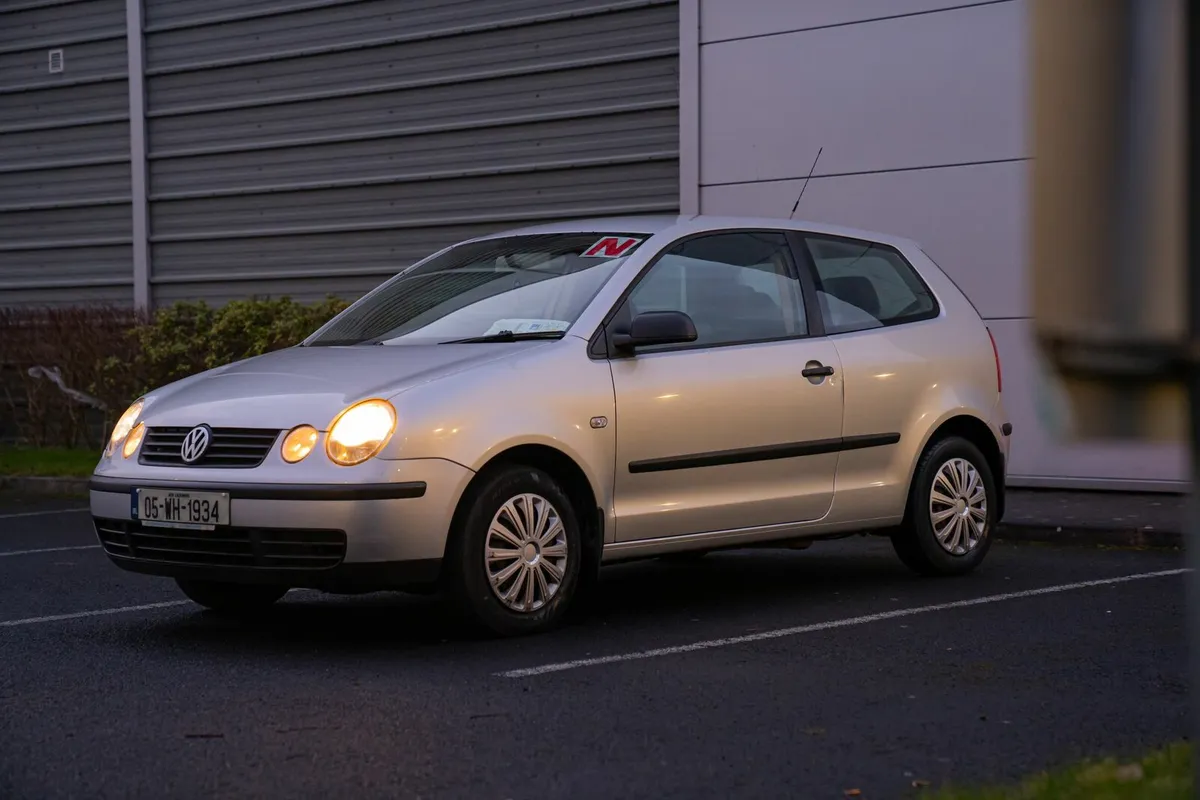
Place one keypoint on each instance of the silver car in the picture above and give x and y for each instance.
(506, 415)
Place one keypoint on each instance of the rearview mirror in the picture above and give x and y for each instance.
(656, 327)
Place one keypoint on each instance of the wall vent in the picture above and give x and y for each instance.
(56, 61)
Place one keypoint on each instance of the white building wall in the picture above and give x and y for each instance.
(920, 106)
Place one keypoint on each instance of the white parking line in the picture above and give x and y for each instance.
(44, 513)
(49, 550)
(824, 626)
(101, 612)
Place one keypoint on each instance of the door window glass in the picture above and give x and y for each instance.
(736, 287)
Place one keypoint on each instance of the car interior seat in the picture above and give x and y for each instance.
(855, 290)
(726, 309)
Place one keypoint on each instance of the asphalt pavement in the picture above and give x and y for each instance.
(745, 674)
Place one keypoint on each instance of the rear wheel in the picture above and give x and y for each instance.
(951, 514)
(513, 564)
(231, 598)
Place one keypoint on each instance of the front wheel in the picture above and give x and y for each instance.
(951, 514)
(231, 598)
(513, 564)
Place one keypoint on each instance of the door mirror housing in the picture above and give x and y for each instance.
(656, 327)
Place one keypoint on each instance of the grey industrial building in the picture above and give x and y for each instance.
(156, 150)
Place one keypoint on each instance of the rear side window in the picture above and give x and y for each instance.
(862, 285)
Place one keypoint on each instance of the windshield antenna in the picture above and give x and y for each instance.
(805, 186)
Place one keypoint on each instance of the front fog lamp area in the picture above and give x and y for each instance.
(124, 425)
(359, 432)
(134, 440)
(298, 443)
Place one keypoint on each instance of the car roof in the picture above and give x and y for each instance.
(682, 225)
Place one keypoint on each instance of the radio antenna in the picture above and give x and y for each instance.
(806, 179)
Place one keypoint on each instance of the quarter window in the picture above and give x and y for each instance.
(736, 287)
(861, 285)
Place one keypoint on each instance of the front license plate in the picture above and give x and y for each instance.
(171, 508)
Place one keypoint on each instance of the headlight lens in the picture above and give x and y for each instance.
(134, 440)
(360, 432)
(298, 443)
(124, 425)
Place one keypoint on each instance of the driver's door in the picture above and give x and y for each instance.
(725, 433)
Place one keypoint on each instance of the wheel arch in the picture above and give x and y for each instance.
(973, 429)
(570, 476)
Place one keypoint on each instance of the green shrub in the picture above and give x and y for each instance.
(114, 355)
(245, 328)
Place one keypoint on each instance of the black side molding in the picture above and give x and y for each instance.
(771, 452)
(271, 491)
(869, 440)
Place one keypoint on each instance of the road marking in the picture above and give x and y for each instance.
(830, 625)
(101, 612)
(44, 513)
(49, 550)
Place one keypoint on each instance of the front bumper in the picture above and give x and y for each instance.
(340, 537)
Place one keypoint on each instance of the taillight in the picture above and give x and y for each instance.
(996, 355)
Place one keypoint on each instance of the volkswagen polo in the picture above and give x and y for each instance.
(503, 417)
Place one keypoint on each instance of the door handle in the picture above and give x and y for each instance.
(819, 371)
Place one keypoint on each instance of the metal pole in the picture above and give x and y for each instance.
(689, 106)
(135, 46)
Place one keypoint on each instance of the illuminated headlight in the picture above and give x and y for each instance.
(134, 440)
(124, 426)
(360, 432)
(298, 443)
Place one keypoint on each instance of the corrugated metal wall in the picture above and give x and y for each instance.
(315, 146)
(64, 154)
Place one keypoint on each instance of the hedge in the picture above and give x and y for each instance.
(67, 373)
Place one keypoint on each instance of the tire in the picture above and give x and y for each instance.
(917, 541)
(480, 588)
(233, 599)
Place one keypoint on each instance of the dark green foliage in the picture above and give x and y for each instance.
(115, 355)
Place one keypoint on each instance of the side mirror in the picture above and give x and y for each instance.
(656, 327)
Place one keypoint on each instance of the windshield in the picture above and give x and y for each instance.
(499, 289)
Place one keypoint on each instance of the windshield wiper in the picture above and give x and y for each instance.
(508, 336)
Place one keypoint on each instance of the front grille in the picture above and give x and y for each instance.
(262, 548)
(231, 448)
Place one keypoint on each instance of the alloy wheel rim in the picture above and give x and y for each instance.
(958, 507)
(525, 553)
